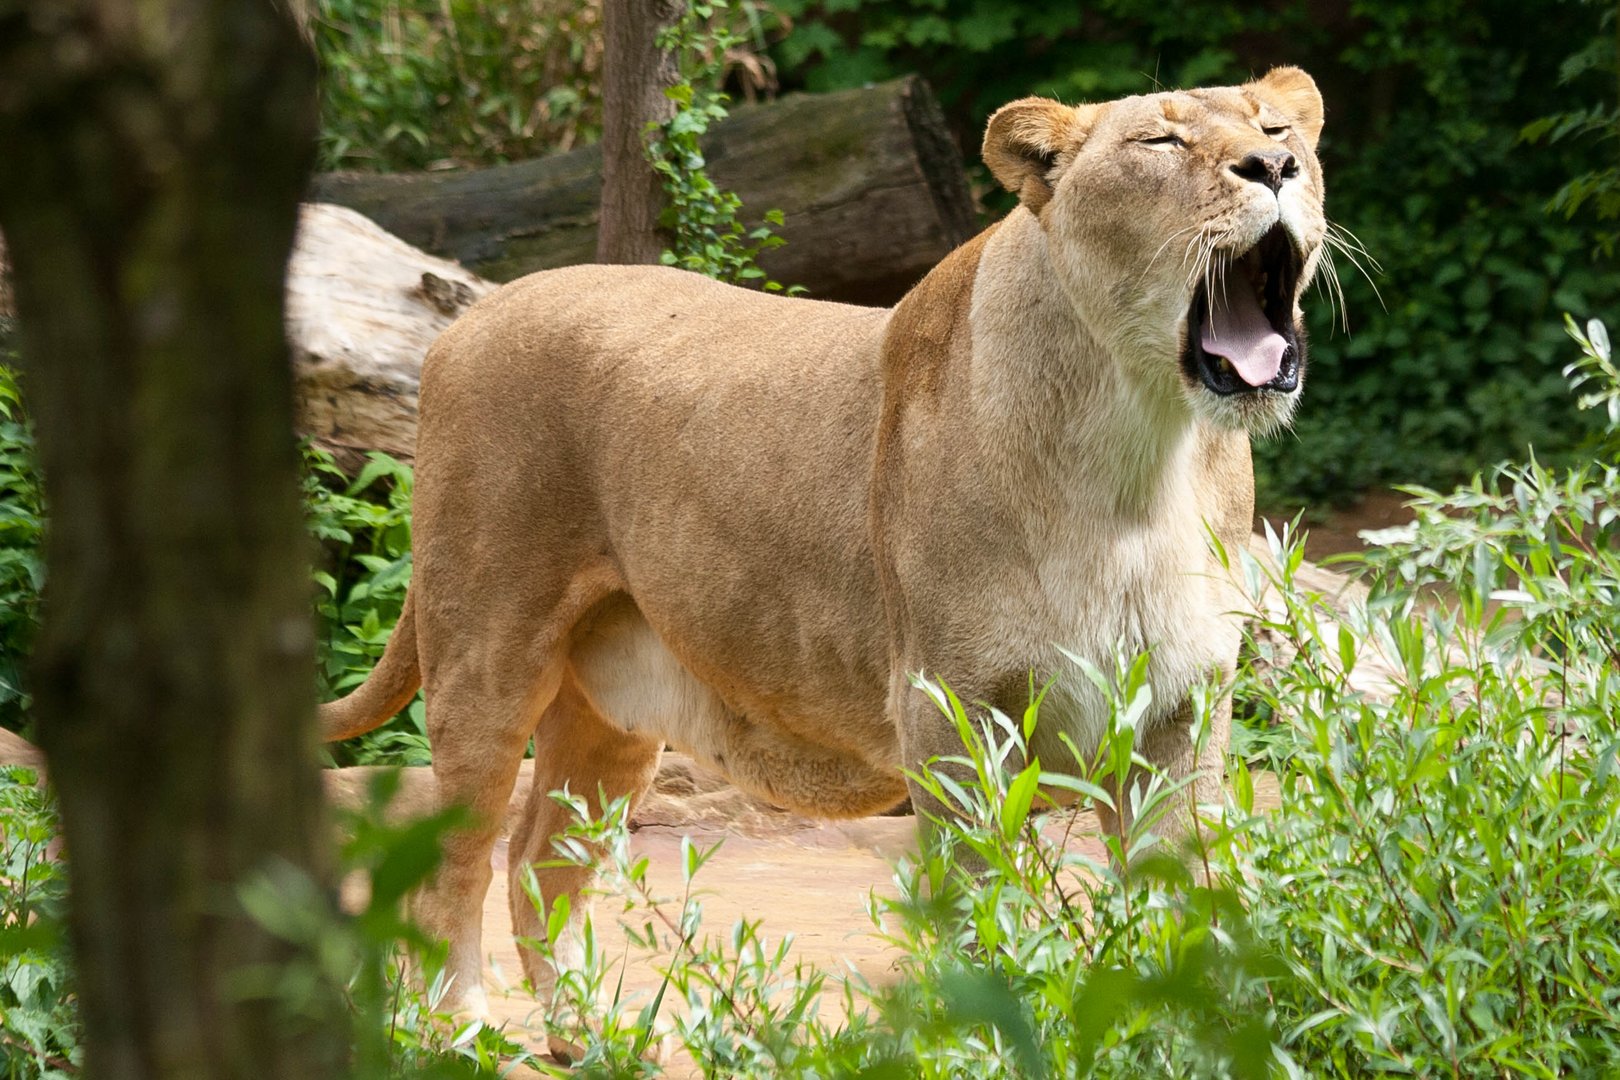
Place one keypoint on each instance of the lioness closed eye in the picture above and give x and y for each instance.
(654, 509)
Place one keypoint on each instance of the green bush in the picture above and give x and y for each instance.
(364, 527)
(414, 84)
(1594, 194)
(39, 1024)
(22, 562)
(1440, 881)
(706, 234)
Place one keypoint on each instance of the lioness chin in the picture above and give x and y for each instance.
(654, 509)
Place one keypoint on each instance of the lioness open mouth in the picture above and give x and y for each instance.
(1240, 328)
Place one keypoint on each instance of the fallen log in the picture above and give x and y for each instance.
(869, 180)
(362, 308)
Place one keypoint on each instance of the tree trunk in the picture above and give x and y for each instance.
(154, 156)
(635, 74)
(869, 180)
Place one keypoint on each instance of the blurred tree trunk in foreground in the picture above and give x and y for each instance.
(154, 154)
(635, 74)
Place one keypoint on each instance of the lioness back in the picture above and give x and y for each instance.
(662, 419)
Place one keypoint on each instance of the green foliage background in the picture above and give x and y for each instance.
(415, 84)
(22, 527)
(363, 565)
(39, 1017)
(1459, 363)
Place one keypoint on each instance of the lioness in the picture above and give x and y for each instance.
(655, 509)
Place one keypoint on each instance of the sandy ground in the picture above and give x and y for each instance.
(811, 880)
(813, 883)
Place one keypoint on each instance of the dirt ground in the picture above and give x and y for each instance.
(1334, 532)
(801, 878)
(810, 881)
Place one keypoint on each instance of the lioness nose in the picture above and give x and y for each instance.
(1268, 167)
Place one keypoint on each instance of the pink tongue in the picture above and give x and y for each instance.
(1237, 329)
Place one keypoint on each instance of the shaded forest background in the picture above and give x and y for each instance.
(1469, 146)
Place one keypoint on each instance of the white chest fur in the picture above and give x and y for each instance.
(1101, 452)
(1121, 589)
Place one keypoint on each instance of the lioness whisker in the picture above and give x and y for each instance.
(1214, 266)
(1337, 242)
(1334, 290)
(1167, 241)
(1345, 236)
(1194, 242)
(1341, 305)
(1193, 258)
(1208, 243)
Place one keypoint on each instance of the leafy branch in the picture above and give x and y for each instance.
(702, 218)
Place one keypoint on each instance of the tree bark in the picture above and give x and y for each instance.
(869, 180)
(154, 156)
(635, 74)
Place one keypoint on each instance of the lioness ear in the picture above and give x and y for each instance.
(1025, 140)
(1294, 93)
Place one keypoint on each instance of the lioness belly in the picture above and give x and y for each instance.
(632, 679)
(629, 677)
(696, 687)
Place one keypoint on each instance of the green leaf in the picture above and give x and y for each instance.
(1020, 795)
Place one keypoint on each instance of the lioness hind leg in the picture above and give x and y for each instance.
(479, 718)
(576, 748)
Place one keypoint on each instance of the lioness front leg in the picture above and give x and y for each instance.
(1174, 751)
(1171, 747)
(927, 738)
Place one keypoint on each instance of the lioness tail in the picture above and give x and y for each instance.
(388, 689)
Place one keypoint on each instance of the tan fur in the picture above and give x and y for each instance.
(651, 508)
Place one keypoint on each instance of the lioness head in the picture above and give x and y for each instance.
(1183, 226)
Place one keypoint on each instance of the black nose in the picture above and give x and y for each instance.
(1268, 167)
